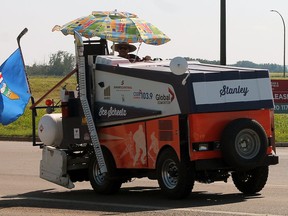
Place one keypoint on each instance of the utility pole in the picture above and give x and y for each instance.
(223, 33)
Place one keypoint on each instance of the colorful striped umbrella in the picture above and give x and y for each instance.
(115, 26)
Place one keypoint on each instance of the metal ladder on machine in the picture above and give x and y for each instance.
(84, 102)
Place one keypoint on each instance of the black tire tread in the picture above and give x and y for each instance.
(252, 181)
(185, 181)
(112, 184)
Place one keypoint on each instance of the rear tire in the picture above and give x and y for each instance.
(104, 183)
(252, 181)
(175, 179)
(244, 144)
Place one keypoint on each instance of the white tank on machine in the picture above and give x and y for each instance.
(50, 129)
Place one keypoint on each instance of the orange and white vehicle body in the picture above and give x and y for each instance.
(204, 125)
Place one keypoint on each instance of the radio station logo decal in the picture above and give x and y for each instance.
(142, 95)
(165, 98)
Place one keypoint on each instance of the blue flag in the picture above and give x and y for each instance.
(14, 90)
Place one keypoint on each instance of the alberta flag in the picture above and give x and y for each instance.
(14, 90)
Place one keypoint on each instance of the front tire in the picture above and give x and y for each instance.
(174, 178)
(252, 181)
(104, 183)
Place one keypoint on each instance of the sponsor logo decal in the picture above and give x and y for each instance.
(107, 93)
(110, 112)
(123, 87)
(142, 95)
(165, 98)
(233, 90)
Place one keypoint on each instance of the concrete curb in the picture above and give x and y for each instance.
(281, 144)
(18, 139)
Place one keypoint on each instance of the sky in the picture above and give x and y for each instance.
(254, 33)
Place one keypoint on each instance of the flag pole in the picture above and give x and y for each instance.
(23, 32)
(34, 113)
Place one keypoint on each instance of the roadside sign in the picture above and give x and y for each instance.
(281, 108)
(280, 95)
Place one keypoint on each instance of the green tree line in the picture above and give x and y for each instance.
(61, 63)
(248, 64)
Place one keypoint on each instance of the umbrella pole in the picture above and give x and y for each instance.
(113, 48)
(138, 48)
(137, 51)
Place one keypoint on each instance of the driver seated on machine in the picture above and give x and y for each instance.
(124, 50)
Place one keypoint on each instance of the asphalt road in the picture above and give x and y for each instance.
(22, 192)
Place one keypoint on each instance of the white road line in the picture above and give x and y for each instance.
(267, 185)
(275, 185)
(222, 212)
(152, 208)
